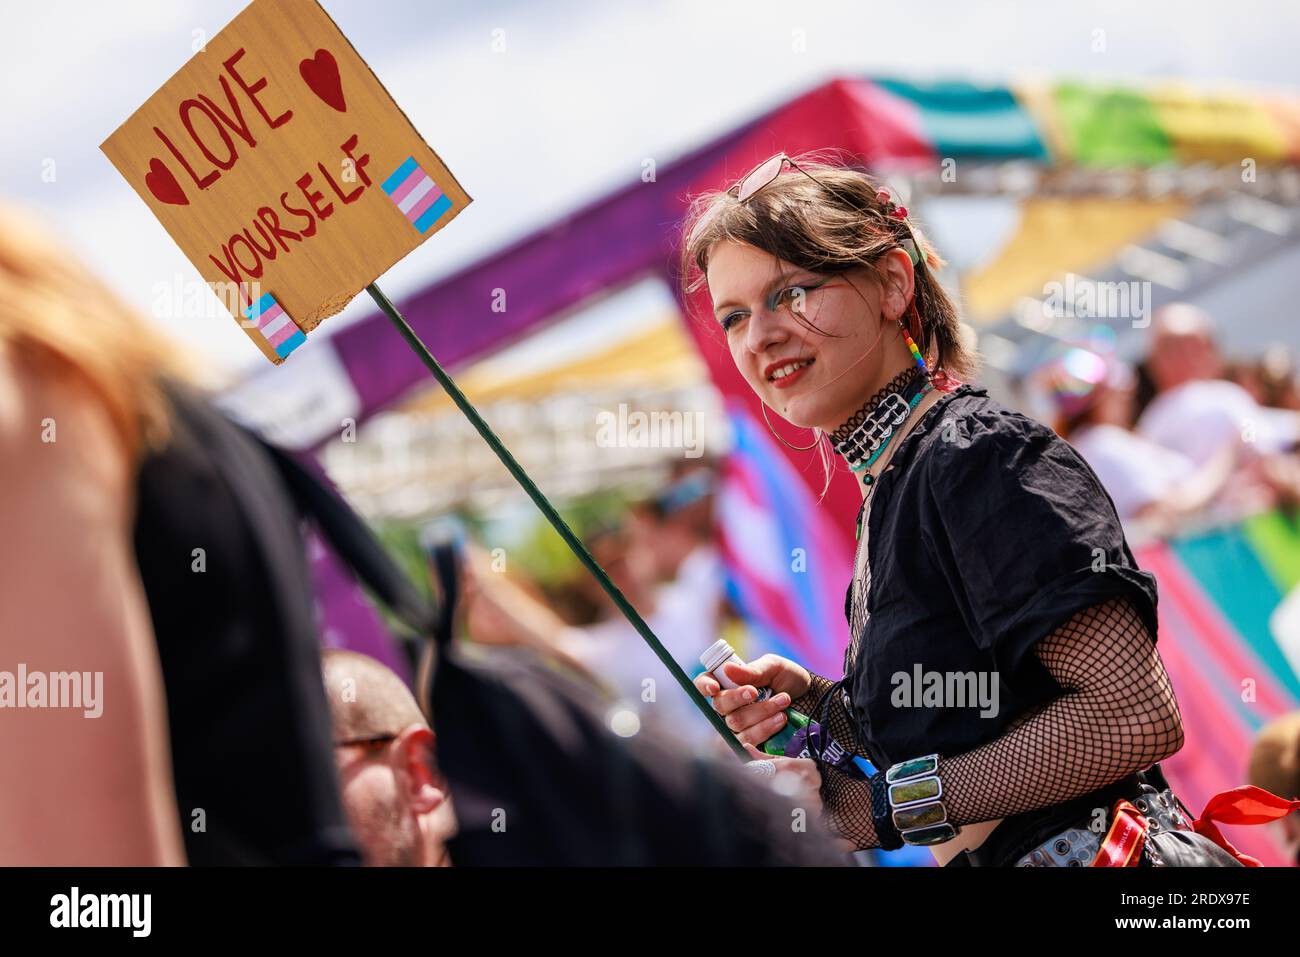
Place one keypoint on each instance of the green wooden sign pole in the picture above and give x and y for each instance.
(552, 516)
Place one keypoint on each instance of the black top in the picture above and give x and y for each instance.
(237, 642)
(986, 532)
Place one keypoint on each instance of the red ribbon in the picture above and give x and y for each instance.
(1122, 846)
(1246, 804)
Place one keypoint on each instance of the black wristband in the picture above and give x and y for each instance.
(886, 833)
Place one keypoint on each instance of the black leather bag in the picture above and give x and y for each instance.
(1179, 848)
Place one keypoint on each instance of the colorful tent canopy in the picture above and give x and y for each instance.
(881, 122)
(1057, 235)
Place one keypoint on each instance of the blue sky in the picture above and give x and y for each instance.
(582, 93)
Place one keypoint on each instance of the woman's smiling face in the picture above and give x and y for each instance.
(810, 378)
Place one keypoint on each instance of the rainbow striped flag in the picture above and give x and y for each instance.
(1233, 659)
(275, 325)
(416, 195)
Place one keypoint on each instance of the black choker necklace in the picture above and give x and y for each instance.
(854, 439)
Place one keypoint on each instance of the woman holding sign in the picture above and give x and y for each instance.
(988, 557)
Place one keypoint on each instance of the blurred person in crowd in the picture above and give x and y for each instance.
(663, 561)
(1275, 767)
(1196, 411)
(546, 770)
(395, 798)
(1091, 393)
(985, 543)
(1271, 379)
(148, 538)
(676, 526)
(500, 609)
(664, 553)
(79, 406)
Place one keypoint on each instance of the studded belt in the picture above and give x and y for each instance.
(1078, 846)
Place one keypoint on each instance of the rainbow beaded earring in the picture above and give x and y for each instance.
(911, 343)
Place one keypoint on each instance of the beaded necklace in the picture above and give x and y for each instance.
(881, 421)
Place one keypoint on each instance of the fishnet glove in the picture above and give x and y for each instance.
(1117, 714)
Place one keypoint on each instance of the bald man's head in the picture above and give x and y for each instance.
(1182, 346)
(367, 700)
(395, 798)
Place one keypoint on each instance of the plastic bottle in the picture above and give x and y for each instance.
(721, 653)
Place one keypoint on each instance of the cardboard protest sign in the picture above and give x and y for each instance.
(284, 170)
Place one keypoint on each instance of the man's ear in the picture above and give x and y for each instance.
(425, 788)
(898, 282)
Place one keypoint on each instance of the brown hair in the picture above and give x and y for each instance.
(53, 311)
(829, 221)
(830, 225)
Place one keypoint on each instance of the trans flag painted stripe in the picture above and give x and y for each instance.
(275, 325)
(416, 195)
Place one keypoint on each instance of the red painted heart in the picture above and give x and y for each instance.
(163, 184)
(321, 73)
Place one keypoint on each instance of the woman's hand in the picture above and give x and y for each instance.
(754, 721)
(795, 779)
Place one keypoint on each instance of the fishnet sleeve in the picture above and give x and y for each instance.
(1117, 714)
(807, 702)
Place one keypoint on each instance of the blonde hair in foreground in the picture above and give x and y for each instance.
(56, 315)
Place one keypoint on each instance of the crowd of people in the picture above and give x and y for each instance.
(662, 556)
(156, 545)
(228, 736)
(1183, 436)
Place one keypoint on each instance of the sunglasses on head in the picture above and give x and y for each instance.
(766, 173)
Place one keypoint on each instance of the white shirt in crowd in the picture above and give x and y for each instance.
(1136, 472)
(686, 620)
(1198, 418)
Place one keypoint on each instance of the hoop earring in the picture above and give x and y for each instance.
(798, 448)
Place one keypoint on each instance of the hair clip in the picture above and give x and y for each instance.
(898, 212)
